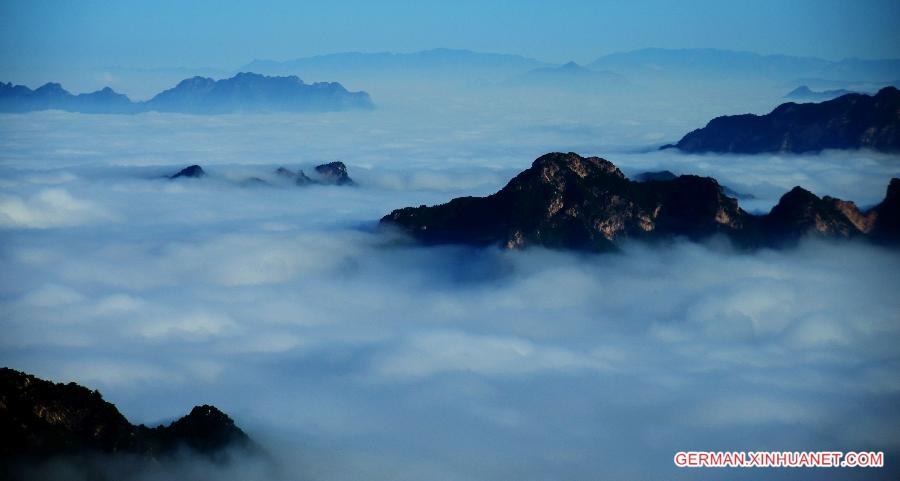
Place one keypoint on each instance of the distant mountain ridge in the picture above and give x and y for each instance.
(852, 121)
(244, 92)
(730, 63)
(569, 74)
(439, 61)
(803, 92)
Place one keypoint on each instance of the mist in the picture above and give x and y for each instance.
(350, 353)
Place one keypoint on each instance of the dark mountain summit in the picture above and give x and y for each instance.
(334, 173)
(851, 121)
(245, 92)
(191, 171)
(40, 419)
(572, 202)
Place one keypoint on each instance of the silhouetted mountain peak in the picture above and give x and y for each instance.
(556, 168)
(893, 191)
(193, 171)
(51, 88)
(40, 419)
(569, 201)
(334, 173)
(851, 121)
(207, 430)
(245, 91)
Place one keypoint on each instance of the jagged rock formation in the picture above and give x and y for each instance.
(40, 419)
(572, 202)
(332, 173)
(192, 171)
(245, 92)
(851, 121)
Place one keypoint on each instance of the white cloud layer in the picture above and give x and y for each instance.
(353, 356)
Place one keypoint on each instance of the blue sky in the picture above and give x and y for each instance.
(162, 33)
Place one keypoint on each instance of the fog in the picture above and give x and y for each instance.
(351, 353)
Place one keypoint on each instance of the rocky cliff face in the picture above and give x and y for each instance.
(851, 121)
(573, 202)
(40, 419)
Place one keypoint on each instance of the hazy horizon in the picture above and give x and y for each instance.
(351, 352)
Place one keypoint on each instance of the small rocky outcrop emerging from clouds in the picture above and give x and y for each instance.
(851, 121)
(572, 202)
(41, 420)
(245, 92)
(332, 173)
(192, 171)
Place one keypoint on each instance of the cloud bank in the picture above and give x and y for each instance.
(353, 354)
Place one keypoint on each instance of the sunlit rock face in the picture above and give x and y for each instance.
(573, 202)
(569, 201)
(852, 121)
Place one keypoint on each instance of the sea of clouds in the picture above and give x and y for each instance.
(351, 353)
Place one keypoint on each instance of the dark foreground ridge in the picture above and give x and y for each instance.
(571, 202)
(245, 92)
(851, 121)
(41, 420)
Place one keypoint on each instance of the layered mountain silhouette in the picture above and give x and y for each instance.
(569, 75)
(708, 62)
(441, 62)
(567, 201)
(803, 92)
(19, 98)
(245, 92)
(646, 63)
(851, 121)
(41, 420)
